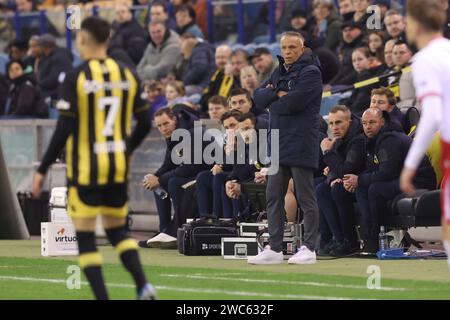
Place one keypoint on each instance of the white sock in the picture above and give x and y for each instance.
(447, 250)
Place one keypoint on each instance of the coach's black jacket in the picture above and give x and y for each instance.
(169, 169)
(385, 155)
(348, 153)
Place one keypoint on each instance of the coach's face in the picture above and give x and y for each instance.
(291, 49)
(372, 123)
(240, 102)
(166, 125)
(339, 122)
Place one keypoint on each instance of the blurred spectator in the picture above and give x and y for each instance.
(361, 15)
(54, 64)
(18, 51)
(220, 82)
(395, 24)
(6, 27)
(352, 37)
(154, 94)
(384, 99)
(346, 9)
(183, 106)
(142, 16)
(158, 13)
(365, 69)
(388, 60)
(25, 98)
(4, 89)
(384, 6)
(376, 41)
(298, 21)
(198, 64)
(175, 93)
(185, 17)
(326, 24)
(162, 53)
(344, 153)
(238, 60)
(263, 62)
(128, 36)
(179, 3)
(249, 79)
(35, 53)
(30, 24)
(201, 11)
(402, 56)
(217, 106)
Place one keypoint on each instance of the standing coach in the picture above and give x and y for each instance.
(293, 95)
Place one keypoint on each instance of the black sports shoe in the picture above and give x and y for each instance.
(345, 248)
(325, 251)
(143, 244)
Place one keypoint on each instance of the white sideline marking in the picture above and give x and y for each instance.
(304, 283)
(192, 290)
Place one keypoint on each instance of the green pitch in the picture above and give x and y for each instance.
(24, 274)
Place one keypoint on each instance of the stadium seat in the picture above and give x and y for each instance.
(275, 49)
(412, 119)
(422, 210)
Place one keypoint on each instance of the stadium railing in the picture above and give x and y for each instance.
(25, 141)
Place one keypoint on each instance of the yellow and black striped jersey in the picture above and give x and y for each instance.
(102, 96)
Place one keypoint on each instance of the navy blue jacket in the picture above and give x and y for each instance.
(51, 67)
(348, 154)
(185, 170)
(397, 115)
(243, 169)
(201, 65)
(295, 115)
(385, 155)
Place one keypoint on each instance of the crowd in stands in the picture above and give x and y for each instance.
(186, 78)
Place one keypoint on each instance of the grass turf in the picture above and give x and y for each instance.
(24, 274)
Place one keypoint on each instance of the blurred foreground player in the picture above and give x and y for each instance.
(431, 73)
(97, 102)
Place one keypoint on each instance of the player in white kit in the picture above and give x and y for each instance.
(431, 74)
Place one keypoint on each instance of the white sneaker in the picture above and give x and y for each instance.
(162, 240)
(303, 256)
(267, 256)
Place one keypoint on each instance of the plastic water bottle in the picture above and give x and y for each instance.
(383, 239)
(160, 192)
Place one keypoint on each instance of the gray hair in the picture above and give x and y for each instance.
(293, 34)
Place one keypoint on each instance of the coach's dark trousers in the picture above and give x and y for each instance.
(173, 186)
(372, 204)
(336, 207)
(211, 196)
(304, 191)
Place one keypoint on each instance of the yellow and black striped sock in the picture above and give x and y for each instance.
(127, 250)
(91, 262)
